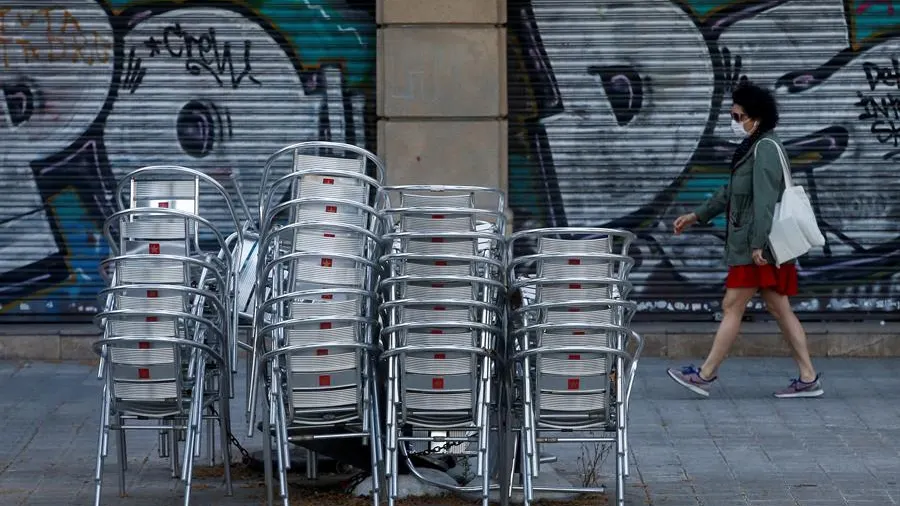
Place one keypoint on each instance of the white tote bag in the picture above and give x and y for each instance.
(794, 228)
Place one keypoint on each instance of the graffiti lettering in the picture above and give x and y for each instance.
(888, 76)
(51, 35)
(203, 53)
(882, 111)
(600, 132)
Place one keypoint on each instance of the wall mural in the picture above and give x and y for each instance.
(619, 116)
(623, 122)
(92, 90)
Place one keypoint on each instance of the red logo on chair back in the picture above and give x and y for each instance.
(328, 234)
(440, 263)
(153, 248)
(575, 286)
(321, 352)
(325, 326)
(439, 308)
(330, 209)
(151, 319)
(437, 383)
(574, 384)
(324, 381)
(143, 373)
(327, 262)
(440, 356)
(578, 333)
(437, 216)
(574, 261)
(437, 239)
(436, 331)
(328, 180)
(327, 296)
(574, 357)
(164, 205)
(437, 285)
(152, 294)
(574, 309)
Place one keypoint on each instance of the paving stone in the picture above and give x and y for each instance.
(739, 447)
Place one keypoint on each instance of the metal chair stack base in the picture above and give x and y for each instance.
(168, 322)
(443, 308)
(314, 331)
(572, 354)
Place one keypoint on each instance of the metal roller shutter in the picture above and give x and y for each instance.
(95, 89)
(619, 116)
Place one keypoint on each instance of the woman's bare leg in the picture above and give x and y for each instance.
(733, 305)
(780, 307)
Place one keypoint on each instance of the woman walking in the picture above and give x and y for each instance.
(749, 199)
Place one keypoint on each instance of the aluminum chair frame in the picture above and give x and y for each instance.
(277, 285)
(129, 183)
(407, 225)
(204, 334)
(523, 355)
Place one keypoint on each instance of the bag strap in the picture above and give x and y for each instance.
(788, 181)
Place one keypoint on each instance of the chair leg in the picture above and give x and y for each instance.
(101, 444)
(122, 441)
(123, 457)
(486, 473)
(211, 441)
(284, 456)
(374, 439)
(267, 454)
(224, 429)
(173, 450)
(525, 470)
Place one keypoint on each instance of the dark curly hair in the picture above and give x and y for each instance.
(759, 104)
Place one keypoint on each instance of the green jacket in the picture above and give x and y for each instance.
(756, 185)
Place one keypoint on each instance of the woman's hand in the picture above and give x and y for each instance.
(684, 221)
(758, 257)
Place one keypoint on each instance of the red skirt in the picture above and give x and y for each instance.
(784, 280)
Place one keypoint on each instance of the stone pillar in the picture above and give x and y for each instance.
(442, 91)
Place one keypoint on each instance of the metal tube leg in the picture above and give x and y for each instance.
(101, 443)
(283, 455)
(224, 429)
(486, 473)
(173, 451)
(211, 441)
(525, 466)
(267, 457)
(621, 456)
(123, 458)
(373, 448)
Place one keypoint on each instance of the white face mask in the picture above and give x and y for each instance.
(738, 128)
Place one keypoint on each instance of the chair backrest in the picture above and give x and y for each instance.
(324, 375)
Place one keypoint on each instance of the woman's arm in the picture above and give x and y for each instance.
(767, 177)
(714, 206)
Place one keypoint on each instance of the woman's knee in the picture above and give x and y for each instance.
(735, 301)
(776, 304)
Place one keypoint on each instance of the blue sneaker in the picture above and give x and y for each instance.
(799, 389)
(689, 377)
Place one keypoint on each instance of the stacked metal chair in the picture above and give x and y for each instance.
(443, 314)
(167, 321)
(572, 352)
(314, 337)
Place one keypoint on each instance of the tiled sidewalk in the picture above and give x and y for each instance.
(739, 447)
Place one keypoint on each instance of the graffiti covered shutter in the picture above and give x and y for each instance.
(214, 87)
(619, 116)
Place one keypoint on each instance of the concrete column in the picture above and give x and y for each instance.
(442, 91)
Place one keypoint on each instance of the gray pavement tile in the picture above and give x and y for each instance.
(740, 447)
